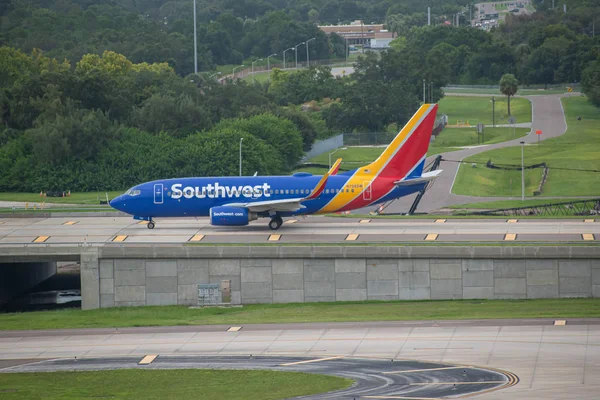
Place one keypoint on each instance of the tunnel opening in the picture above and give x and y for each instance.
(38, 286)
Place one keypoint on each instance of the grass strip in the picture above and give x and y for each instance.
(303, 312)
(132, 384)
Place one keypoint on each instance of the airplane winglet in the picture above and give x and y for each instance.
(336, 166)
(316, 192)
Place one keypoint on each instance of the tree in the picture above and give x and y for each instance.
(509, 86)
(590, 82)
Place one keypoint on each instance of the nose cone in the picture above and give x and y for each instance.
(118, 203)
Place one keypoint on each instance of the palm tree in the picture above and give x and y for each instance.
(509, 86)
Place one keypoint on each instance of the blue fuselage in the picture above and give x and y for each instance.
(196, 196)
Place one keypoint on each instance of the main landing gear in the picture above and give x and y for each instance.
(275, 222)
(150, 224)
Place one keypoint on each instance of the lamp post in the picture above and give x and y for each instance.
(522, 171)
(216, 73)
(253, 62)
(330, 154)
(195, 43)
(307, 56)
(291, 48)
(234, 68)
(241, 140)
(268, 61)
(493, 111)
(296, 49)
(424, 100)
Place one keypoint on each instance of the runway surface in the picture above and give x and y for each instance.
(551, 362)
(310, 230)
(547, 116)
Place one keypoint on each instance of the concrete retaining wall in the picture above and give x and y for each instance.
(135, 275)
(262, 279)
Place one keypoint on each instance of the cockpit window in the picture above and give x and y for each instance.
(133, 192)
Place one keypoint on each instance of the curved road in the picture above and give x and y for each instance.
(547, 114)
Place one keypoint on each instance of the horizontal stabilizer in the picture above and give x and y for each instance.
(426, 177)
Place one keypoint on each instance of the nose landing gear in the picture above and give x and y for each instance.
(150, 224)
(275, 222)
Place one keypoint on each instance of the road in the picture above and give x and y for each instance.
(551, 362)
(88, 230)
(547, 115)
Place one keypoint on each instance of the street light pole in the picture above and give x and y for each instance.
(424, 92)
(241, 140)
(307, 56)
(195, 42)
(268, 61)
(216, 73)
(522, 171)
(296, 48)
(493, 111)
(333, 152)
(255, 61)
(234, 68)
(291, 48)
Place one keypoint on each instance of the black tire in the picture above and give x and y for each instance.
(275, 223)
(150, 225)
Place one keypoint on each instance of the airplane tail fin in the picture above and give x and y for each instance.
(405, 156)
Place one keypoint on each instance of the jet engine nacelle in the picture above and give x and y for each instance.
(231, 216)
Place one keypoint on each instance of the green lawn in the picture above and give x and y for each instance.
(578, 148)
(75, 198)
(260, 77)
(166, 384)
(302, 312)
(478, 109)
(448, 140)
(499, 204)
(521, 92)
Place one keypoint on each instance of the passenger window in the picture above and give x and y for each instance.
(287, 191)
(276, 191)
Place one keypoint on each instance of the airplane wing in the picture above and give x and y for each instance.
(289, 205)
(425, 177)
(271, 205)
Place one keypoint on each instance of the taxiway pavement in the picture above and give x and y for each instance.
(551, 361)
(97, 230)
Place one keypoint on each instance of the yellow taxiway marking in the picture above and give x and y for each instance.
(291, 221)
(364, 221)
(234, 329)
(456, 383)
(148, 359)
(425, 370)
(274, 238)
(143, 223)
(70, 222)
(120, 238)
(40, 239)
(352, 236)
(440, 221)
(196, 238)
(431, 236)
(587, 236)
(510, 236)
(512, 221)
(559, 322)
(585, 220)
(312, 361)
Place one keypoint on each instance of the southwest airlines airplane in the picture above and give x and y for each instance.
(235, 201)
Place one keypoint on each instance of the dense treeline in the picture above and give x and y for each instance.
(159, 31)
(108, 123)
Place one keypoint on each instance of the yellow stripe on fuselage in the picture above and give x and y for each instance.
(364, 175)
